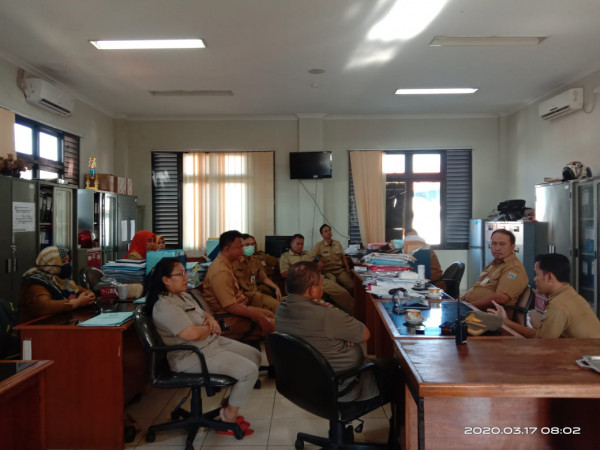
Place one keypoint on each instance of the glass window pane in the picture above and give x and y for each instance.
(426, 163)
(235, 165)
(46, 175)
(23, 139)
(426, 209)
(48, 146)
(393, 163)
(27, 175)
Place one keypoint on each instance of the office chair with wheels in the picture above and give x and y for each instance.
(520, 309)
(452, 277)
(162, 377)
(303, 376)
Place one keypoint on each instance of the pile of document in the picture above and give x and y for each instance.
(125, 270)
(389, 259)
(193, 275)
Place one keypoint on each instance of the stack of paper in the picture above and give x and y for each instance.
(108, 319)
(126, 270)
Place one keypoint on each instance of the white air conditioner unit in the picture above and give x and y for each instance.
(565, 103)
(40, 93)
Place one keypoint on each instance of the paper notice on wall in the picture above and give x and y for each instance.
(124, 234)
(23, 217)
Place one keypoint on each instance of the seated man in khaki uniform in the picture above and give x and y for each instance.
(334, 292)
(503, 280)
(222, 291)
(250, 274)
(568, 314)
(333, 259)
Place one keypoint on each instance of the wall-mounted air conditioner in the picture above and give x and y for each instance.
(40, 93)
(565, 103)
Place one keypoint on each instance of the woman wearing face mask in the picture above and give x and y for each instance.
(47, 288)
(250, 272)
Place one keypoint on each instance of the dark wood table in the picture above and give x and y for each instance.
(22, 404)
(97, 371)
(499, 393)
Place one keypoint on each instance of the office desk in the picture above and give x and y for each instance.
(22, 407)
(97, 371)
(499, 393)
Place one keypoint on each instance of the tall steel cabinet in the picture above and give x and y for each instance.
(571, 211)
(110, 217)
(18, 233)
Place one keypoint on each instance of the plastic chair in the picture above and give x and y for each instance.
(303, 376)
(452, 277)
(162, 377)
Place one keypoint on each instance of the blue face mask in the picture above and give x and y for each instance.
(249, 250)
(65, 271)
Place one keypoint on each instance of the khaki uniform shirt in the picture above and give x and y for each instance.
(289, 258)
(220, 287)
(269, 262)
(506, 277)
(568, 315)
(249, 272)
(330, 255)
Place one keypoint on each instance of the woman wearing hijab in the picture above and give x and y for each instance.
(47, 288)
(180, 320)
(160, 242)
(143, 241)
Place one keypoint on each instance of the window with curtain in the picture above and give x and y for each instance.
(224, 191)
(429, 191)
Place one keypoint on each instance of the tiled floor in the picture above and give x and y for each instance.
(274, 419)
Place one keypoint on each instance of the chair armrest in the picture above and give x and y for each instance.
(171, 348)
(339, 379)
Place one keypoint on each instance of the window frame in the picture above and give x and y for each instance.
(35, 161)
(451, 237)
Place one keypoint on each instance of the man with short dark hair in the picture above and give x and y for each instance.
(336, 293)
(503, 280)
(222, 291)
(568, 314)
(335, 334)
(331, 255)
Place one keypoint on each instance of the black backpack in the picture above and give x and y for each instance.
(10, 343)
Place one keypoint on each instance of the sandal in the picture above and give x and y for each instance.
(241, 421)
(247, 431)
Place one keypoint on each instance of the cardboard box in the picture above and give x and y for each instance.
(129, 186)
(121, 185)
(107, 182)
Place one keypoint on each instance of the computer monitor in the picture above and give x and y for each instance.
(277, 245)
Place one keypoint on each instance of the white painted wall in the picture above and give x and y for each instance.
(541, 148)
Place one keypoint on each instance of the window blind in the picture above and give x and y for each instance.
(166, 197)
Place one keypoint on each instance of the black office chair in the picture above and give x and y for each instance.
(89, 277)
(305, 378)
(519, 310)
(162, 377)
(452, 277)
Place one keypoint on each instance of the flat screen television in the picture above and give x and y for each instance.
(277, 245)
(310, 165)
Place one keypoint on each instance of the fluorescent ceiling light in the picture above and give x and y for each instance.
(439, 41)
(197, 93)
(148, 44)
(436, 91)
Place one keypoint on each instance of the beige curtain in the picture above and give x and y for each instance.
(369, 192)
(227, 191)
(7, 132)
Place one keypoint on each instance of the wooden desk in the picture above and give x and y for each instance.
(97, 371)
(499, 393)
(22, 407)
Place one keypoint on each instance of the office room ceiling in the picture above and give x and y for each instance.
(262, 51)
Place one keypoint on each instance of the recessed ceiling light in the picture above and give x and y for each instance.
(316, 71)
(436, 91)
(197, 93)
(486, 40)
(148, 44)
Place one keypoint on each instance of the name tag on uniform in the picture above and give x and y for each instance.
(485, 281)
(252, 279)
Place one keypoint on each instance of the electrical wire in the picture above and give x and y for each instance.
(314, 199)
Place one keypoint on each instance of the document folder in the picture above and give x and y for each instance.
(108, 319)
